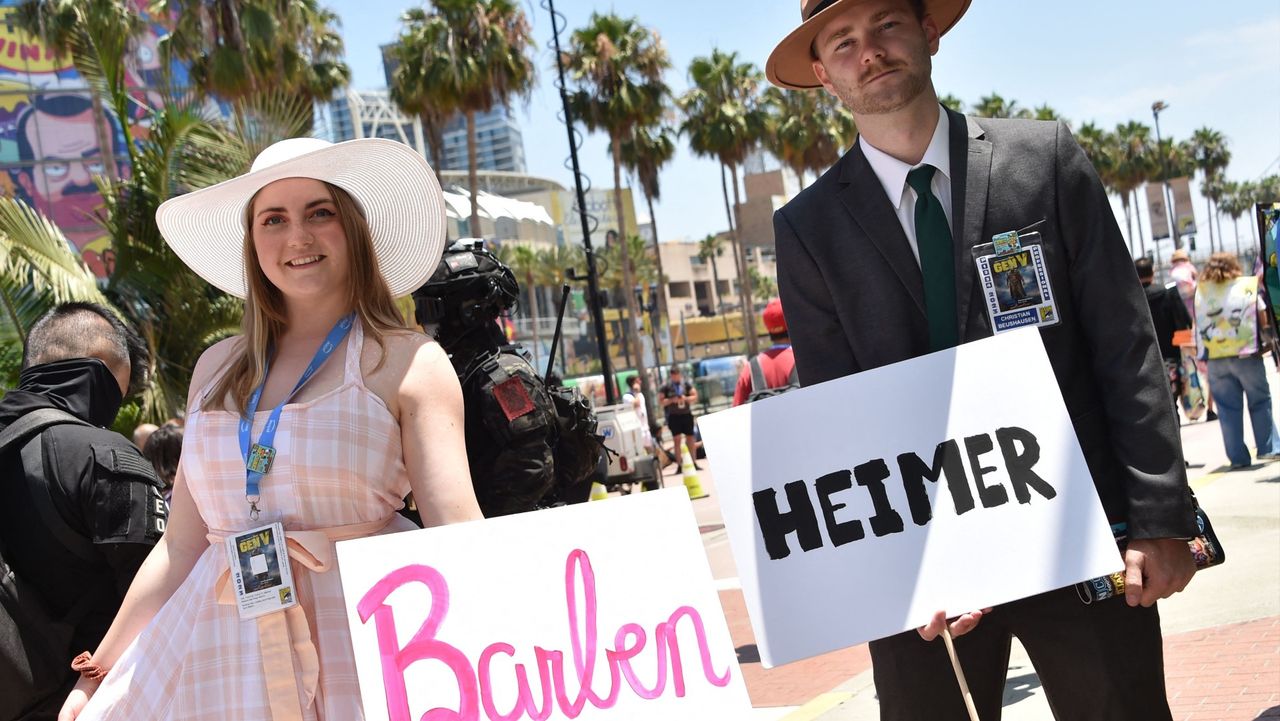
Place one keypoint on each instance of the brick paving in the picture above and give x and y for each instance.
(795, 683)
(1225, 673)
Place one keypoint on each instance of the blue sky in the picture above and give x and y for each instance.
(1215, 64)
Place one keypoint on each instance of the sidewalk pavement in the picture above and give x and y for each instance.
(1222, 634)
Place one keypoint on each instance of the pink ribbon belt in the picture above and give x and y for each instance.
(286, 636)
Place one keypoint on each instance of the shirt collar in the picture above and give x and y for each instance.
(892, 172)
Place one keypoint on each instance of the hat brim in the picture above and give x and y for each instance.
(790, 64)
(393, 185)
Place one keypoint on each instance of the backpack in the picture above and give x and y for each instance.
(578, 448)
(35, 650)
(760, 388)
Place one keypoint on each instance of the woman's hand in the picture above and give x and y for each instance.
(77, 699)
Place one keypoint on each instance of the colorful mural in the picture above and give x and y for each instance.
(50, 148)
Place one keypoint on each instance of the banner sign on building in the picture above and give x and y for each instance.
(1181, 190)
(604, 610)
(858, 508)
(52, 143)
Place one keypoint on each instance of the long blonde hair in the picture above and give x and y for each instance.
(1221, 268)
(264, 309)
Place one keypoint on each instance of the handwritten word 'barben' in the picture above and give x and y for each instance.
(1018, 447)
(475, 681)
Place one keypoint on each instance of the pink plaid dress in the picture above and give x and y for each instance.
(339, 467)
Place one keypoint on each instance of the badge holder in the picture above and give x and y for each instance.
(1014, 278)
(260, 572)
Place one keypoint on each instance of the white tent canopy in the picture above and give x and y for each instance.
(494, 207)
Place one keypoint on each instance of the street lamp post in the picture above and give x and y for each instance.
(1156, 107)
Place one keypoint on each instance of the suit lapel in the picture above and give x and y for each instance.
(971, 171)
(863, 196)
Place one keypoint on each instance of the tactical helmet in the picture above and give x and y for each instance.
(470, 287)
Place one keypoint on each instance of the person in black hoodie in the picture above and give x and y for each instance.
(81, 359)
(1169, 314)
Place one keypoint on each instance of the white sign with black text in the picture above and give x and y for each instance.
(858, 507)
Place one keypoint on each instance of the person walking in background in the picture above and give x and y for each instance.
(164, 449)
(1168, 315)
(777, 363)
(1184, 275)
(677, 397)
(141, 433)
(635, 397)
(1227, 306)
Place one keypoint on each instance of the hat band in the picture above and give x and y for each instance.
(821, 6)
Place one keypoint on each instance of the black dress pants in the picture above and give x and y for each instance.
(1097, 662)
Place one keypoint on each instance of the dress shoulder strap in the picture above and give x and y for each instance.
(355, 349)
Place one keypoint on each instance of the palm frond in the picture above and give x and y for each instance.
(33, 251)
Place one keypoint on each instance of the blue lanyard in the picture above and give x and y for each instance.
(258, 456)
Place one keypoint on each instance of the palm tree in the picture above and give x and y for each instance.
(1132, 153)
(1101, 148)
(836, 133)
(724, 119)
(790, 122)
(1045, 112)
(1209, 149)
(617, 65)
(951, 102)
(806, 130)
(994, 106)
(1237, 200)
(468, 55)
(709, 248)
(763, 284)
(37, 271)
(644, 153)
(237, 49)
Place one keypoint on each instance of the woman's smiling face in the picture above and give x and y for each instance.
(299, 239)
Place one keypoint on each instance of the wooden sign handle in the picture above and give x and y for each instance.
(955, 666)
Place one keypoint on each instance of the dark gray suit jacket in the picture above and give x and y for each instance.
(854, 298)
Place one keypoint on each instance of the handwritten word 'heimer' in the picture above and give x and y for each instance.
(475, 681)
(1018, 446)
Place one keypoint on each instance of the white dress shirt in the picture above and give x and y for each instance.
(893, 176)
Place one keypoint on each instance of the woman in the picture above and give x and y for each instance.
(318, 239)
(1227, 315)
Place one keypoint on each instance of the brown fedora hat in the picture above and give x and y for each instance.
(791, 63)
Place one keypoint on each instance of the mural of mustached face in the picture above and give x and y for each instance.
(59, 147)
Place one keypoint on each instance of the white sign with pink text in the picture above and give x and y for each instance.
(603, 610)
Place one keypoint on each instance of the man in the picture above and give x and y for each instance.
(517, 453)
(1185, 277)
(1168, 314)
(77, 532)
(875, 267)
(677, 398)
(777, 362)
(61, 154)
(142, 433)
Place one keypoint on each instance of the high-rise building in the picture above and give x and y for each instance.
(499, 143)
(369, 114)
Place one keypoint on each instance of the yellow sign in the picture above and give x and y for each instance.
(21, 53)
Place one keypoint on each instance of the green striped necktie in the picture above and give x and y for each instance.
(937, 260)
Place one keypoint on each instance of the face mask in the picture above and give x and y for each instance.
(84, 387)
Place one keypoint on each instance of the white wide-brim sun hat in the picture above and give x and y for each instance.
(391, 183)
